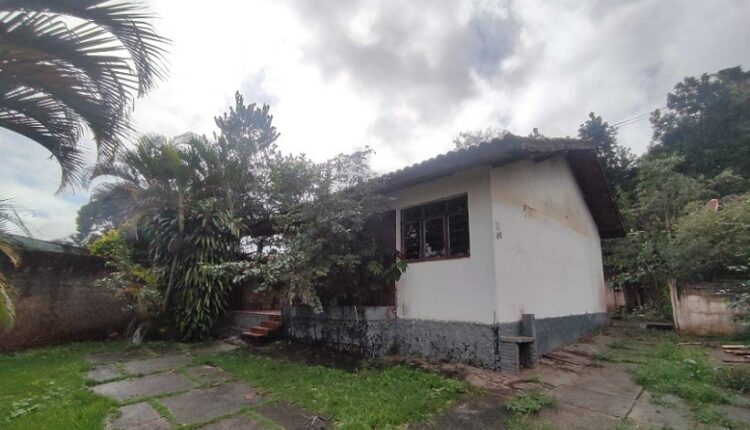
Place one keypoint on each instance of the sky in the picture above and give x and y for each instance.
(404, 78)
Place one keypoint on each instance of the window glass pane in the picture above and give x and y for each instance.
(434, 209)
(458, 228)
(434, 238)
(411, 241)
(458, 205)
(412, 214)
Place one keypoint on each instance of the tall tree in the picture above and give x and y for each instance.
(70, 65)
(707, 123)
(616, 159)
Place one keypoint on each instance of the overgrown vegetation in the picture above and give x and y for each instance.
(368, 398)
(130, 280)
(524, 406)
(212, 212)
(45, 389)
(663, 366)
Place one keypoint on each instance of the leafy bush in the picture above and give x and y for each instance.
(713, 245)
(131, 281)
(209, 236)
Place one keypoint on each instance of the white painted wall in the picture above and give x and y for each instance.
(461, 289)
(548, 259)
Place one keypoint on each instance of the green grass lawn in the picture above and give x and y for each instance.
(369, 398)
(46, 389)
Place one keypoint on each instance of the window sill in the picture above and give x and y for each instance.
(428, 260)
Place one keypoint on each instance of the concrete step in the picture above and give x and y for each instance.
(271, 325)
(260, 330)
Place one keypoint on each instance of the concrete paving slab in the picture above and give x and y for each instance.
(735, 413)
(103, 373)
(292, 417)
(209, 403)
(569, 417)
(140, 416)
(558, 375)
(157, 364)
(216, 347)
(239, 422)
(117, 356)
(610, 380)
(598, 402)
(210, 375)
(669, 412)
(146, 386)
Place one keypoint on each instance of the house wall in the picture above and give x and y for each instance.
(461, 289)
(547, 252)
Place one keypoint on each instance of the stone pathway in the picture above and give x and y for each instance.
(163, 390)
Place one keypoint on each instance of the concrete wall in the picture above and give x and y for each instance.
(547, 254)
(459, 289)
(702, 310)
(56, 301)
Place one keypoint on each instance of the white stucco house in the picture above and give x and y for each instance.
(503, 242)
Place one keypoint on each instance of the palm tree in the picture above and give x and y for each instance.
(8, 215)
(70, 65)
(157, 174)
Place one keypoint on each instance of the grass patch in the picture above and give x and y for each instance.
(529, 402)
(669, 369)
(734, 378)
(369, 398)
(525, 422)
(45, 389)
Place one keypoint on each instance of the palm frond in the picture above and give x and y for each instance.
(85, 61)
(129, 22)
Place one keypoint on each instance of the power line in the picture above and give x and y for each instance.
(634, 119)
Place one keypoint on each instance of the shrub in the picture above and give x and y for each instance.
(130, 280)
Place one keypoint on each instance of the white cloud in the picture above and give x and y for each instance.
(405, 77)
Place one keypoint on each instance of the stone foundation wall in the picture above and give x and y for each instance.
(365, 330)
(56, 301)
(376, 332)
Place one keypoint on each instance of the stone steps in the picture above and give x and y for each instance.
(257, 326)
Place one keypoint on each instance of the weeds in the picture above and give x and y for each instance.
(530, 402)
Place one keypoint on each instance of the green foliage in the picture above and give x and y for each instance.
(710, 245)
(8, 216)
(384, 398)
(326, 240)
(617, 160)
(734, 378)
(70, 66)
(45, 389)
(669, 369)
(529, 402)
(707, 122)
(208, 236)
(130, 280)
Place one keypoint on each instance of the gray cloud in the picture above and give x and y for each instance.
(424, 55)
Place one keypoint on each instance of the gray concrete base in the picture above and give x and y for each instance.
(376, 332)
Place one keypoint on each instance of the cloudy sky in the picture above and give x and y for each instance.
(406, 77)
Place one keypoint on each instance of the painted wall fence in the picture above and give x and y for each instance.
(703, 310)
(55, 298)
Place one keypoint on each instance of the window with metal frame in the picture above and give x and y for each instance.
(436, 230)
